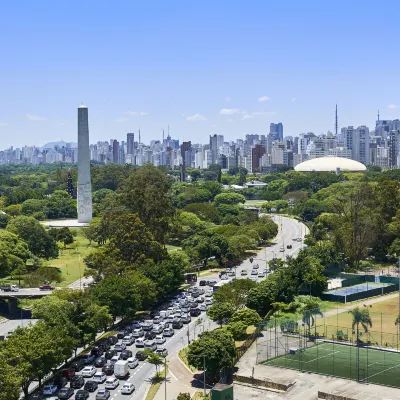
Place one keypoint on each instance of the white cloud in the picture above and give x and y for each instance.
(228, 99)
(247, 115)
(136, 113)
(121, 119)
(229, 111)
(262, 99)
(293, 99)
(33, 117)
(393, 106)
(196, 117)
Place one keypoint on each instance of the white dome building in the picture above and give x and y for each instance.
(330, 164)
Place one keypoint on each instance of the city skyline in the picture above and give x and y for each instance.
(200, 68)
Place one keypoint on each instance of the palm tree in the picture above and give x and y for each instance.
(360, 317)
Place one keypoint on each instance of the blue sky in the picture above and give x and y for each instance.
(200, 66)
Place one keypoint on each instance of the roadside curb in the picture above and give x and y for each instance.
(3, 321)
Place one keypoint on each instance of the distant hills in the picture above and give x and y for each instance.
(60, 143)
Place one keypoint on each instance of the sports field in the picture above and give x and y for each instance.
(345, 361)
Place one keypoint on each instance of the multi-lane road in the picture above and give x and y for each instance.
(289, 229)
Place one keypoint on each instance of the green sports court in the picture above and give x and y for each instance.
(364, 364)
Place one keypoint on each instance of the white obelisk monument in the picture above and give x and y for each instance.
(84, 183)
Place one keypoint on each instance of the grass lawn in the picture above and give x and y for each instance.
(156, 384)
(253, 203)
(383, 316)
(183, 356)
(171, 248)
(211, 271)
(249, 330)
(68, 260)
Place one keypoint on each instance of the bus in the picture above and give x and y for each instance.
(219, 284)
(191, 277)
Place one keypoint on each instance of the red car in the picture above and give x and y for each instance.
(68, 373)
(46, 287)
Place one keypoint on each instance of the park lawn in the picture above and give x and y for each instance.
(211, 271)
(250, 330)
(383, 316)
(156, 384)
(253, 203)
(70, 260)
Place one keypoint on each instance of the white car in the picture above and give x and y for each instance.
(209, 302)
(160, 339)
(209, 294)
(89, 371)
(49, 390)
(253, 278)
(139, 343)
(133, 362)
(261, 275)
(114, 359)
(203, 307)
(243, 272)
(128, 388)
(282, 249)
(256, 266)
(99, 377)
(112, 383)
(138, 332)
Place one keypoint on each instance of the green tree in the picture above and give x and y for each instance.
(247, 316)
(183, 396)
(146, 192)
(220, 312)
(154, 359)
(235, 293)
(262, 297)
(40, 243)
(237, 329)
(214, 349)
(10, 380)
(229, 198)
(361, 319)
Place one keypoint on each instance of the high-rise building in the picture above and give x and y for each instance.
(115, 151)
(186, 153)
(84, 182)
(130, 143)
(256, 155)
(360, 151)
(276, 131)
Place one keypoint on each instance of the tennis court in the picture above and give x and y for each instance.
(363, 287)
(346, 361)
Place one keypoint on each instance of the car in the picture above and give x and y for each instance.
(186, 319)
(128, 340)
(231, 273)
(254, 272)
(98, 351)
(65, 393)
(121, 334)
(132, 362)
(209, 302)
(224, 277)
(212, 283)
(140, 356)
(168, 332)
(150, 335)
(77, 364)
(100, 362)
(120, 346)
(49, 390)
(177, 324)
(91, 386)
(128, 388)
(157, 329)
(125, 354)
(99, 377)
(82, 395)
(195, 312)
(282, 249)
(102, 394)
(114, 360)
(108, 369)
(139, 342)
(210, 293)
(138, 333)
(289, 246)
(88, 359)
(88, 371)
(150, 344)
(243, 272)
(203, 307)
(202, 283)
(111, 383)
(110, 354)
(256, 266)
(46, 287)
(200, 300)
(77, 382)
(261, 274)
(299, 239)
(68, 373)
(253, 278)
(60, 381)
(161, 351)
(160, 339)
(112, 340)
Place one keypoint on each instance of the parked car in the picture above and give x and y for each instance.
(102, 394)
(132, 362)
(60, 381)
(108, 369)
(49, 390)
(46, 287)
(141, 356)
(125, 354)
(82, 395)
(77, 382)
(128, 388)
(111, 383)
(100, 362)
(168, 332)
(99, 377)
(162, 351)
(91, 386)
(65, 393)
(88, 371)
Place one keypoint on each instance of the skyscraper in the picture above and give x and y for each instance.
(115, 150)
(276, 131)
(130, 143)
(84, 182)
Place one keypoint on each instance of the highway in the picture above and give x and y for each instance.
(288, 230)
